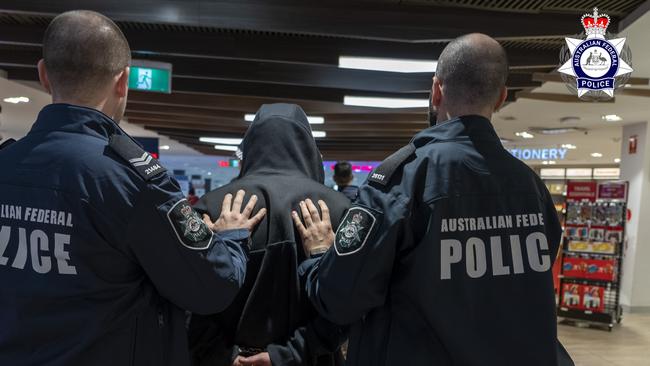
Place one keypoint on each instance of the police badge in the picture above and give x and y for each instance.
(354, 230)
(595, 66)
(191, 231)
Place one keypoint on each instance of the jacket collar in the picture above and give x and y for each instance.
(471, 127)
(73, 118)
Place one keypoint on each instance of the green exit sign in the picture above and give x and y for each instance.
(151, 76)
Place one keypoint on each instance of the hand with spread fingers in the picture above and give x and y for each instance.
(232, 217)
(260, 359)
(316, 233)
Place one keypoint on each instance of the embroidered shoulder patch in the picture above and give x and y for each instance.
(144, 164)
(190, 229)
(354, 230)
(387, 168)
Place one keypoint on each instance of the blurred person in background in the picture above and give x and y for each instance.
(343, 178)
(271, 322)
(192, 198)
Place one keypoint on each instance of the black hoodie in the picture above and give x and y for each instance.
(282, 166)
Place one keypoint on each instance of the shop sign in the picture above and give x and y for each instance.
(539, 154)
(612, 190)
(581, 190)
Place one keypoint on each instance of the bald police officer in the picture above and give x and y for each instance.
(99, 250)
(445, 257)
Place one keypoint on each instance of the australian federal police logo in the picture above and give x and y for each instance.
(190, 230)
(595, 66)
(354, 230)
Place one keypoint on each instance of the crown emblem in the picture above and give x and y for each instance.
(595, 24)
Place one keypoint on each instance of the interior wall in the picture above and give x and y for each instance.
(635, 168)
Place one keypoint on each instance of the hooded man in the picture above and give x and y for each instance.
(271, 321)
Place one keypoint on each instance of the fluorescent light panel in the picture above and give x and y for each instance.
(226, 147)
(16, 100)
(319, 134)
(387, 64)
(385, 102)
(314, 120)
(221, 140)
(612, 118)
(596, 155)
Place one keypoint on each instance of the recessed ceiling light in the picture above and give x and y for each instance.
(612, 118)
(387, 64)
(596, 155)
(319, 134)
(525, 135)
(569, 119)
(16, 100)
(544, 162)
(226, 147)
(569, 146)
(314, 120)
(551, 162)
(556, 131)
(385, 102)
(617, 160)
(628, 85)
(221, 140)
(164, 147)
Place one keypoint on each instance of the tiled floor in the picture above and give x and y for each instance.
(627, 345)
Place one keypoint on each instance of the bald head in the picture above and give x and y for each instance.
(83, 51)
(472, 70)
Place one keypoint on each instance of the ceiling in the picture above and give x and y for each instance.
(229, 57)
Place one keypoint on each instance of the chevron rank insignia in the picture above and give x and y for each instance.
(144, 164)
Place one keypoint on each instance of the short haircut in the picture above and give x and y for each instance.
(343, 171)
(83, 51)
(472, 69)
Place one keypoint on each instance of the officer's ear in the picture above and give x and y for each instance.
(502, 98)
(42, 76)
(122, 83)
(436, 92)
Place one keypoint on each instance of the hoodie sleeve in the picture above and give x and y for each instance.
(319, 338)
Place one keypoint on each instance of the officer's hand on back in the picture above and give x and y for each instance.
(232, 217)
(316, 233)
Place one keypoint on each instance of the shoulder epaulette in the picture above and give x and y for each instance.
(6, 143)
(387, 168)
(144, 164)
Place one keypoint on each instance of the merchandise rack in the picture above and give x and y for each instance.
(592, 300)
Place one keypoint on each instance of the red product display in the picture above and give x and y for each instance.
(593, 298)
(612, 191)
(579, 190)
(574, 267)
(600, 269)
(572, 296)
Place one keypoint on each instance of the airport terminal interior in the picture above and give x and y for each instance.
(362, 71)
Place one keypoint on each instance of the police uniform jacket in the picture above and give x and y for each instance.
(99, 251)
(282, 166)
(445, 258)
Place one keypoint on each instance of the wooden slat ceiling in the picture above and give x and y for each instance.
(231, 56)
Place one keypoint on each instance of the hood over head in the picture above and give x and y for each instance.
(280, 140)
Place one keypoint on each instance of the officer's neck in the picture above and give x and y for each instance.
(103, 105)
(447, 113)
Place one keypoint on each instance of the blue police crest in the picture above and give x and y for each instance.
(595, 66)
(354, 230)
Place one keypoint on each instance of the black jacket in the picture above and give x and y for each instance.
(281, 165)
(95, 262)
(445, 258)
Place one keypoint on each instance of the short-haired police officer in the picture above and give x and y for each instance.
(99, 251)
(445, 258)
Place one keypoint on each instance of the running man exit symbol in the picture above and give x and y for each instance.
(144, 78)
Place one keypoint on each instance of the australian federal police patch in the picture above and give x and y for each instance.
(354, 230)
(190, 229)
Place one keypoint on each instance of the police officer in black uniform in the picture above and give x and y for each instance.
(445, 258)
(99, 250)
